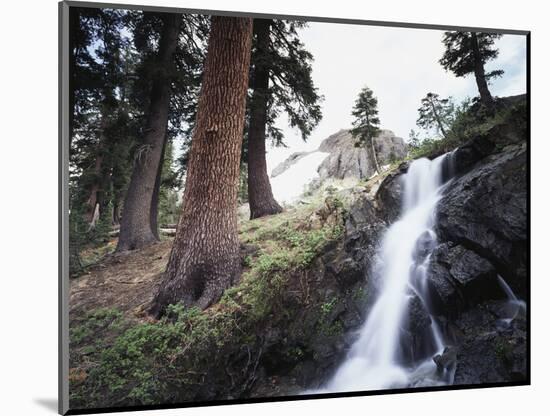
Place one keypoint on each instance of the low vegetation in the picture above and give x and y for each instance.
(468, 122)
(117, 360)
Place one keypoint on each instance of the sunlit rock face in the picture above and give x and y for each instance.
(350, 159)
(339, 157)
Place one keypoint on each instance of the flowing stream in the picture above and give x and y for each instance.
(388, 353)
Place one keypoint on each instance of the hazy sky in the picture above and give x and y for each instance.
(400, 65)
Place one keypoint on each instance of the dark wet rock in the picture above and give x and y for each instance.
(489, 352)
(419, 318)
(390, 193)
(416, 341)
(467, 155)
(459, 278)
(347, 271)
(446, 361)
(424, 246)
(363, 229)
(360, 213)
(485, 211)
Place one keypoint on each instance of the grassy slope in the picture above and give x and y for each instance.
(120, 356)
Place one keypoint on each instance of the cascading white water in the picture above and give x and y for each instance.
(376, 360)
(514, 306)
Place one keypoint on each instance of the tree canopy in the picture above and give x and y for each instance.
(435, 112)
(460, 55)
(468, 52)
(366, 123)
(291, 87)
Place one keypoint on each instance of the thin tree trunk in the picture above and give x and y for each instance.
(105, 186)
(93, 200)
(205, 255)
(438, 120)
(156, 194)
(374, 157)
(479, 72)
(119, 186)
(135, 226)
(116, 211)
(260, 195)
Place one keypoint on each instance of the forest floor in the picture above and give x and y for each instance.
(126, 282)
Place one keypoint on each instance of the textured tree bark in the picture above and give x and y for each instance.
(205, 255)
(479, 72)
(260, 195)
(156, 194)
(135, 226)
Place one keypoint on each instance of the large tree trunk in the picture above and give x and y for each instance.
(205, 255)
(260, 195)
(135, 226)
(479, 72)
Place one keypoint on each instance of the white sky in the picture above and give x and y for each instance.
(400, 65)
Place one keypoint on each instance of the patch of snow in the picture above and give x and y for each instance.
(291, 184)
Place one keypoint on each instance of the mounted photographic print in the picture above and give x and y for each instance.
(261, 208)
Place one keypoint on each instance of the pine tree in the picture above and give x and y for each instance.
(135, 226)
(96, 129)
(205, 256)
(169, 76)
(280, 81)
(467, 52)
(366, 124)
(435, 112)
(112, 76)
(84, 73)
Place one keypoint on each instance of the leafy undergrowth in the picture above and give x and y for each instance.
(94, 254)
(121, 357)
(472, 123)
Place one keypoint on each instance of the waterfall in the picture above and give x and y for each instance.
(387, 353)
(513, 306)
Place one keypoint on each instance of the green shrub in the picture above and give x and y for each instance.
(172, 359)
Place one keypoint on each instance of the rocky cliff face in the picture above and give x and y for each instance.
(348, 160)
(482, 238)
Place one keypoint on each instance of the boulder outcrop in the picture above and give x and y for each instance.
(348, 159)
